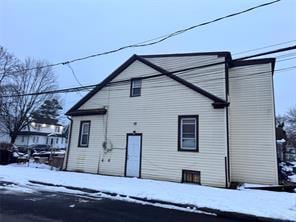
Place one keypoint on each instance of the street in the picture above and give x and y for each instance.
(55, 206)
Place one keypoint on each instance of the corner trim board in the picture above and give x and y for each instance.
(69, 143)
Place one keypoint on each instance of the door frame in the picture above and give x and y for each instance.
(126, 152)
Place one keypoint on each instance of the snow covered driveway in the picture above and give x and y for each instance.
(279, 205)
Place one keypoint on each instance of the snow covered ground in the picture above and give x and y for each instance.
(278, 205)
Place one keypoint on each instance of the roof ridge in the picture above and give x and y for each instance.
(218, 53)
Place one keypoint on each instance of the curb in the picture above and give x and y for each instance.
(219, 213)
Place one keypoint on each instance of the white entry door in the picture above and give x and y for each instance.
(133, 157)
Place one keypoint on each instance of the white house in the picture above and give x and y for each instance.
(196, 117)
(45, 132)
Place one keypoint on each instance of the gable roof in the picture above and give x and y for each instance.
(217, 102)
(103, 83)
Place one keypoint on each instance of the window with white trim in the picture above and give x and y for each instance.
(136, 85)
(188, 133)
(57, 129)
(84, 134)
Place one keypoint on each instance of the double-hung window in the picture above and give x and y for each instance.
(188, 133)
(136, 85)
(84, 134)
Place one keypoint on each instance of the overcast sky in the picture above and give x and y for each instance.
(58, 30)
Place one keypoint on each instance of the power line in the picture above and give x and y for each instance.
(264, 47)
(186, 70)
(245, 77)
(154, 40)
(189, 76)
(75, 89)
(287, 55)
(206, 80)
(214, 64)
(74, 75)
(281, 60)
(269, 52)
(76, 78)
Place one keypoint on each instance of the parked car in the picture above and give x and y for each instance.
(23, 149)
(39, 147)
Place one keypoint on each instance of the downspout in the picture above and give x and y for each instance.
(69, 143)
(227, 161)
(274, 115)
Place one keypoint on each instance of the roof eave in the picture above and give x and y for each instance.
(220, 105)
(247, 62)
(225, 54)
(87, 112)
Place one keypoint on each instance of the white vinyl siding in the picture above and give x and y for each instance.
(86, 160)
(155, 114)
(211, 78)
(252, 125)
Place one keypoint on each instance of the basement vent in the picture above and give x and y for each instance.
(189, 176)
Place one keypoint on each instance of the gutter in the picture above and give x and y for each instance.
(227, 161)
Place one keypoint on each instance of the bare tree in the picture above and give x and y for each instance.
(15, 109)
(290, 120)
(8, 64)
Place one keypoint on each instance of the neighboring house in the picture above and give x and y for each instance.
(291, 153)
(45, 132)
(210, 125)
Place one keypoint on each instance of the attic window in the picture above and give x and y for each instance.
(189, 176)
(136, 87)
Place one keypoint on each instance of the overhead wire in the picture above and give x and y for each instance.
(172, 72)
(91, 86)
(154, 40)
(264, 47)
